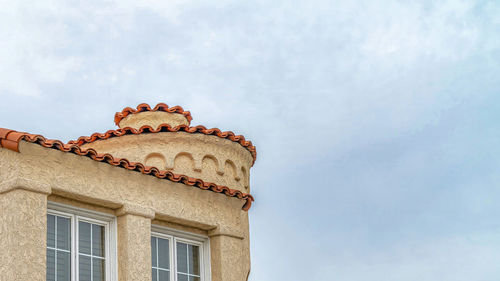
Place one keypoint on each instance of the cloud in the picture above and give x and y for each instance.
(362, 112)
(449, 258)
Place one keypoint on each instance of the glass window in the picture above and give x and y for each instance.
(91, 252)
(58, 248)
(175, 259)
(160, 250)
(76, 248)
(188, 262)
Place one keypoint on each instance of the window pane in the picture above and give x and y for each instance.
(84, 237)
(63, 233)
(99, 273)
(84, 268)
(155, 275)
(51, 231)
(153, 251)
(181, 257)
(182, 277)
(194, 259)
(59, 237)
(164, 275)
(63, 266)
(193, 278)
(163, 253)
(51, 265)
(98, 240)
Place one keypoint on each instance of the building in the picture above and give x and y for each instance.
(155, 199)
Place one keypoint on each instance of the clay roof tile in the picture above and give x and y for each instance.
(10, 139)
(167, 128)
(145, 107)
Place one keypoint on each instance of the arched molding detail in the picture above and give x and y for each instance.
(199, 156)
(157, 160)
(230, 170)
(244, 176)
(184, 161)
(207, 159)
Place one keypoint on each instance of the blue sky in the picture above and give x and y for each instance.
(376, 122)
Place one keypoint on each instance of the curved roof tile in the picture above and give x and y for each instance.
(10, 139)
(145, 107)
(167, 128)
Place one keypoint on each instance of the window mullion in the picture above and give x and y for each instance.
(157, 261)
(187, 259)
(174, 253)
(91, 252)
(74, 244)
(173, 261)
(55, 251)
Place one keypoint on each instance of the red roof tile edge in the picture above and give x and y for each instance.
(10, 139)
(145, 107)
(166, 128)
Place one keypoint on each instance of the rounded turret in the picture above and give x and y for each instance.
(161, 137)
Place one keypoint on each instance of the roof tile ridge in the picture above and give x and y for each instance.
(167, 128)
(98, 136)
(10, 139)
(143, 107)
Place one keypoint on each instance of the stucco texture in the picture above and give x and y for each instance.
(134, 197)
(23, 219)
(209, 158)
(153, 119)
(134, 249)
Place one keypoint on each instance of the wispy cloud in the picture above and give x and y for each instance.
(375, 121)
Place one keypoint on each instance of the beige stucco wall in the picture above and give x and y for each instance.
(135, 198)
(134, 236)
(153, 119)
(206, 157)
(22, 235)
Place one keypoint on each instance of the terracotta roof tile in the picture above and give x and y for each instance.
(10, 139)
(145, 107)
(166, 128)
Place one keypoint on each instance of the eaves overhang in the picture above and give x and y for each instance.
(10, 139)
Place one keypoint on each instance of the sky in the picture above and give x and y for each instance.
(376, 122)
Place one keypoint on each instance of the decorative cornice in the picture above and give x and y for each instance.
(167, 128)
(10, 139)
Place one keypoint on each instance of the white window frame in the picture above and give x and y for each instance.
(76, 215)
(173, 236)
